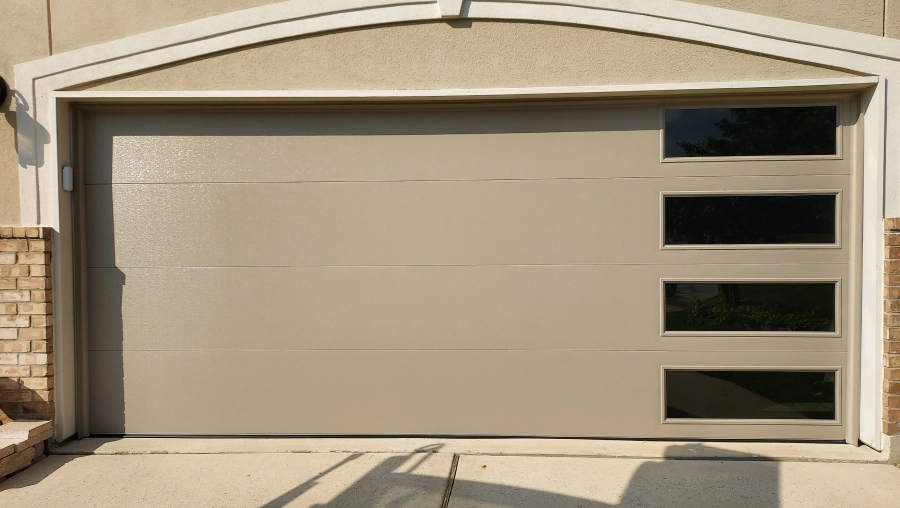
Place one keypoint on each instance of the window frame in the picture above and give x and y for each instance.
(838, 307)
(839, 141)
(838, 223)
(838, 395)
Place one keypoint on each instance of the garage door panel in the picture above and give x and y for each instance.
(365, 146)
(587, 142)
(414, 392)
(106, 380)
(409, 223)
(606, 307)
(445, 270)
(363, 308)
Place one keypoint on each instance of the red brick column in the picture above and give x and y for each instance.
(891, 395)
(26, 317)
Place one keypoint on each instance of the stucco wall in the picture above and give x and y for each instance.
(474, 55)
(23, 37)
(522, 55)
(79, 23)
(865, 16)
(892, 18)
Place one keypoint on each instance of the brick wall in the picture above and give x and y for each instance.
(26, 333)
(891, 396)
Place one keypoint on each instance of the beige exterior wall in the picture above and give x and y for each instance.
(80, 23)
(77, 24)
(479, 55)
(23, 37)
(23, 34)
(358, 59)
(866, 16)
(892, 19)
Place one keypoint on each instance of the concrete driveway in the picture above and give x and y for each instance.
(454, 473)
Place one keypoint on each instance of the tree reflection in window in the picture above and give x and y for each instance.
(751, 219)
(723, 132)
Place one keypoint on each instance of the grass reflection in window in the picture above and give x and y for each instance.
(751, 394)
(748, 307)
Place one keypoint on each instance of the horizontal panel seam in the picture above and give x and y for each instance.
(816, 351)
(573, 265)
(459, 180)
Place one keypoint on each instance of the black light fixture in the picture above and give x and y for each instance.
(4, 91)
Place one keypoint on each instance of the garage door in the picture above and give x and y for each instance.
(590, 269)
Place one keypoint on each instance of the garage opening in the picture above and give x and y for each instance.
(585, 268)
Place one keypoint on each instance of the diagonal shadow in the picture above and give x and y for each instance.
(741, 480)
(299, 490)
(385, 485)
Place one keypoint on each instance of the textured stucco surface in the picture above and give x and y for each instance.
(866, 16)
(892, 18)
(471, 55)
(23, 37)
(78, 23)
(9, 168)
(419, 56)
(82, 23)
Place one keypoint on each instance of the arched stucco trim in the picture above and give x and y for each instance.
(800, 42)
(861, 53)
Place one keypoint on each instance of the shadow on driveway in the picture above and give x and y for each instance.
(420, 479)
(554, 482)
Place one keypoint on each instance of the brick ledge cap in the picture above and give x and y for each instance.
(7, 447)
(22, 430)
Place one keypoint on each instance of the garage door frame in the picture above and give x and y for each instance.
(69, 102)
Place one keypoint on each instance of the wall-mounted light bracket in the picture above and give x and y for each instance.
(4, 91)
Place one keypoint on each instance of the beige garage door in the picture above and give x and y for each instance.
(519, 270)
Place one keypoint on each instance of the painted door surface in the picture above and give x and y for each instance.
(423, 270)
